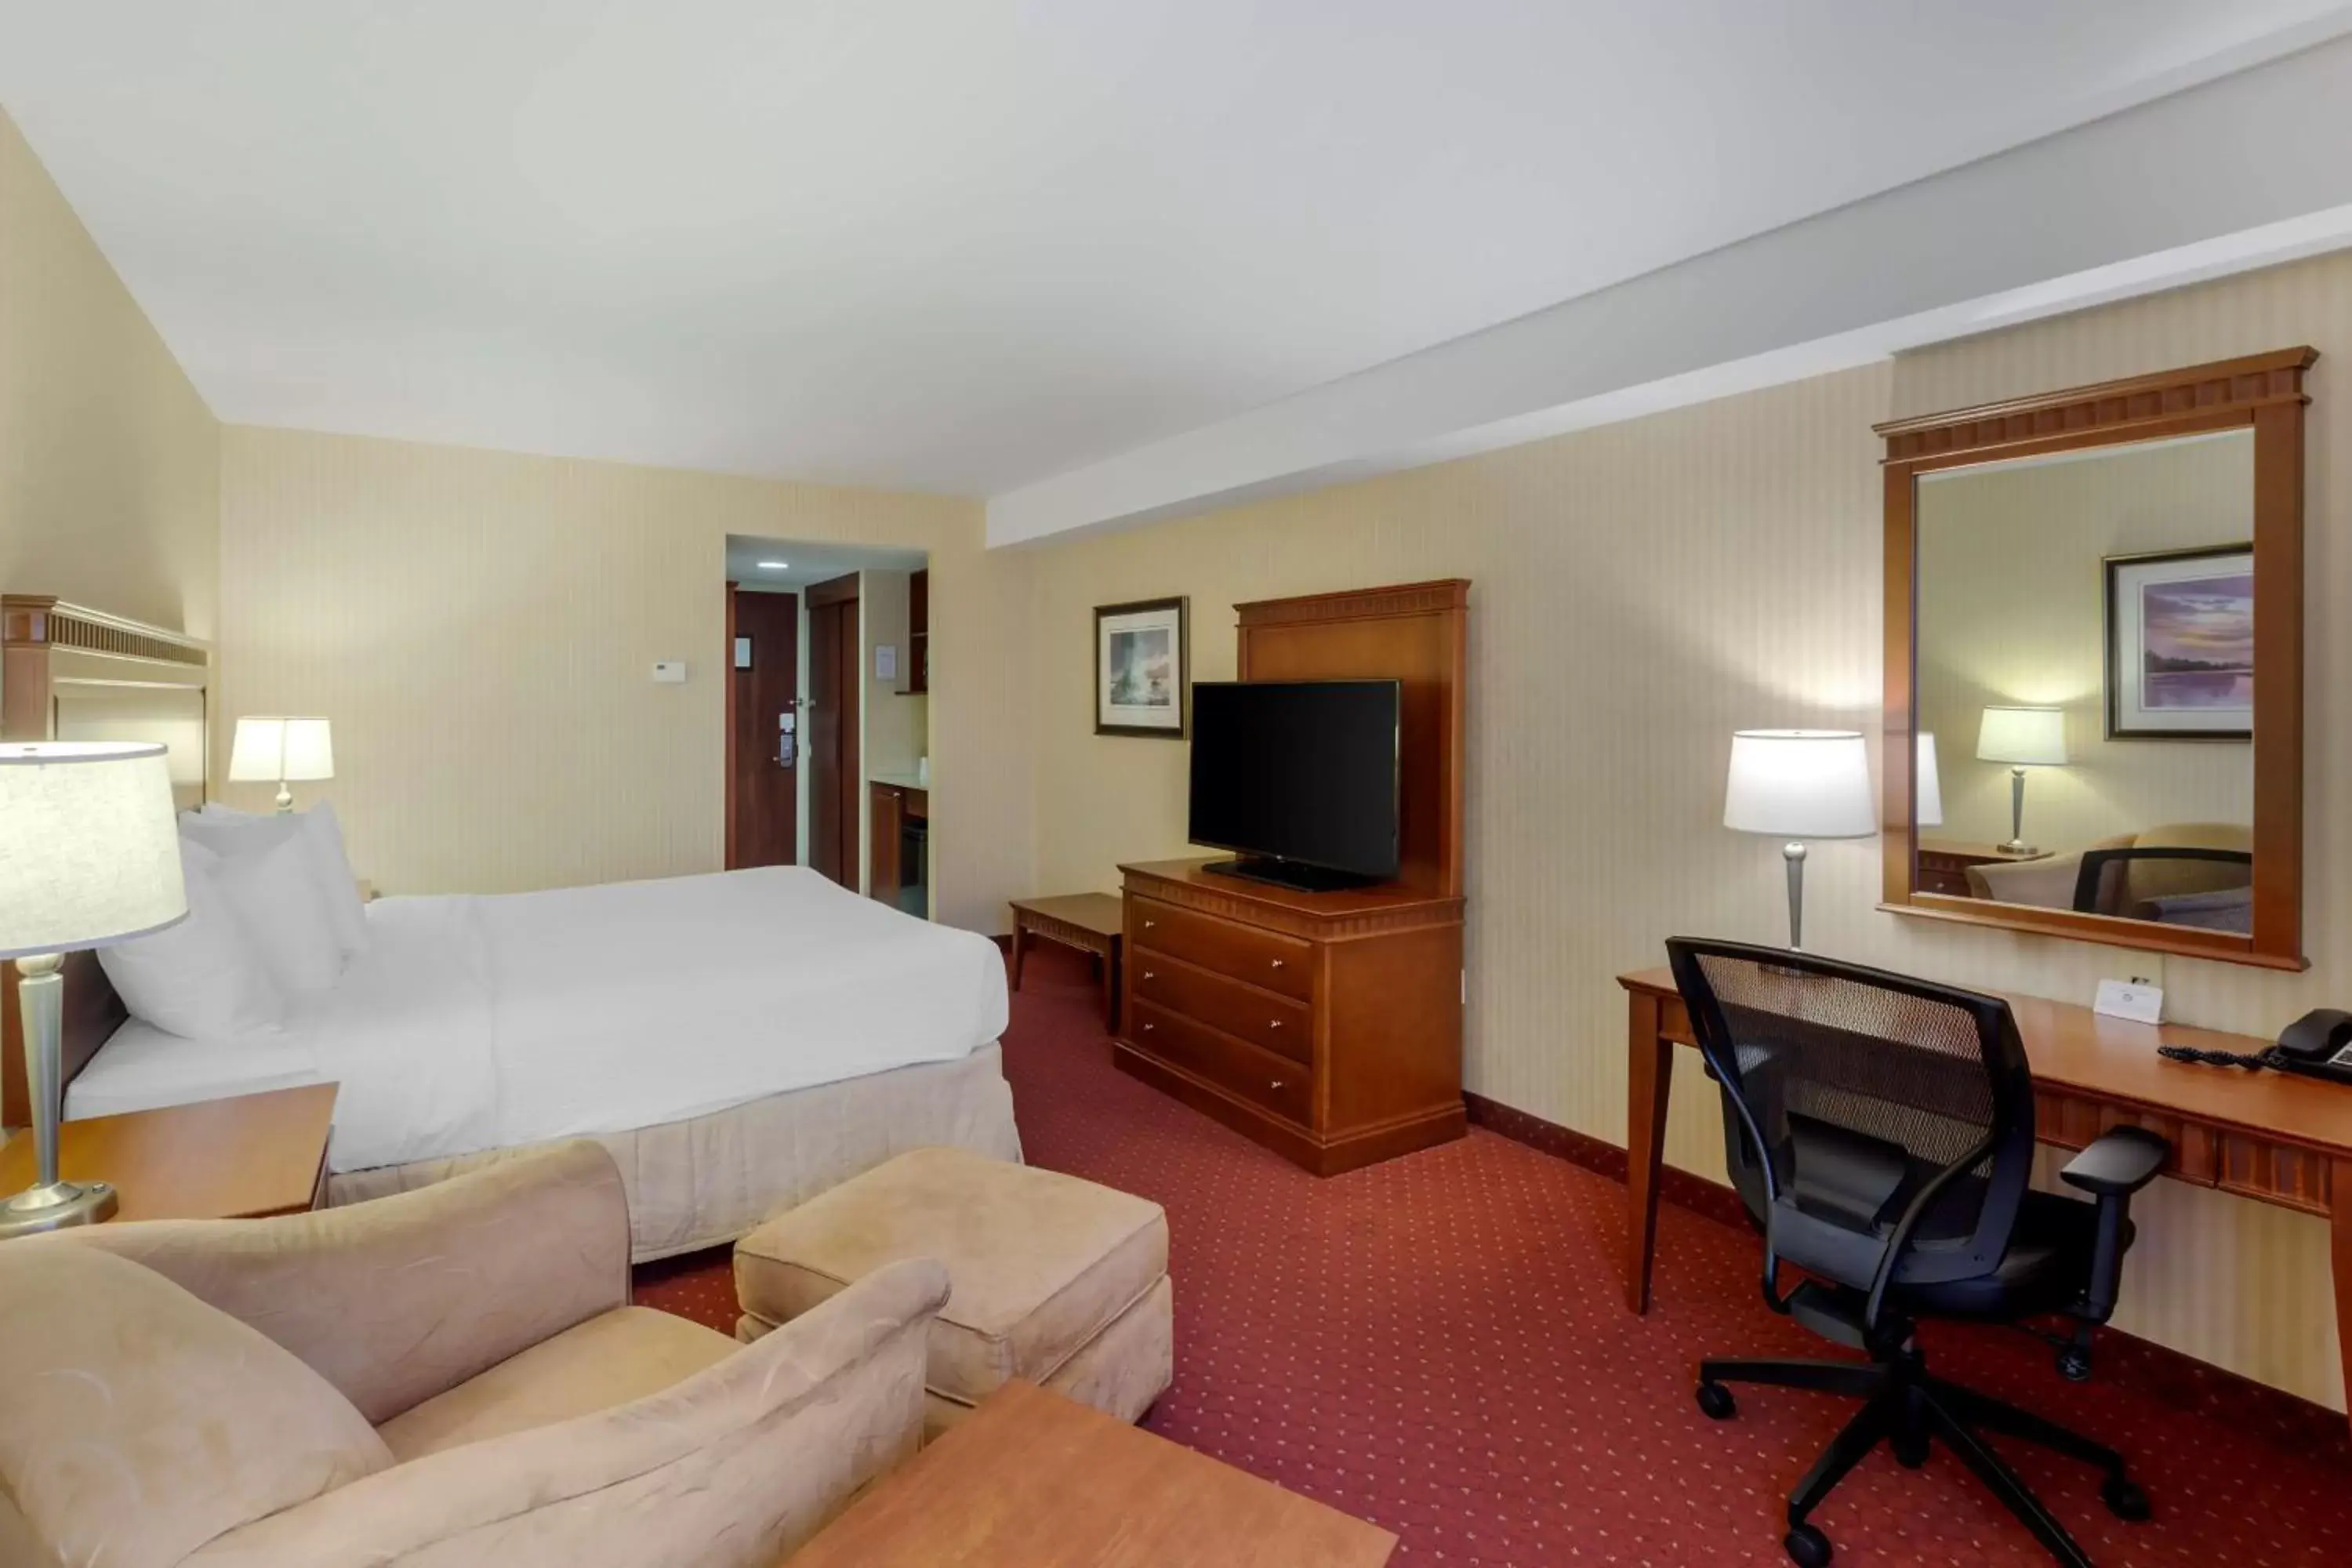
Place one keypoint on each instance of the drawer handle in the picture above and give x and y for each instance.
(1277, 1083)
(1150, 975)
(1275, 1024)
(1277, 963)
(1149, 924)
(1148, 1028)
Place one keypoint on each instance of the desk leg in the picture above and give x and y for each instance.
(1649, 1076)
(1020, 951)
(2340, 1251)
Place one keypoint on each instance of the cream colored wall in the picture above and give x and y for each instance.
(480, 627)
(1640, 591)
(110, 463)
(2012, 610)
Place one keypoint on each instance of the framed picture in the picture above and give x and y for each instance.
(2180, 644)
(1142, 686)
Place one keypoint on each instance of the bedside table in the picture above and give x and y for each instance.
(241, 1158)
(1944, 863)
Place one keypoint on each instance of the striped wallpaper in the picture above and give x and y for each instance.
(1639, 592)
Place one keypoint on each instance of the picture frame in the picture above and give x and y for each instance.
(1144, 676)
(2181, 644)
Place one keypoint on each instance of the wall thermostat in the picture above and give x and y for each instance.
(669, 672)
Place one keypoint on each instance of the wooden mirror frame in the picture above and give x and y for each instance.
(2262, 392)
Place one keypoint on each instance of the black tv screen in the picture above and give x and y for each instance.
(1298, 770)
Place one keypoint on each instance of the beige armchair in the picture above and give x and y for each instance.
(449, 1376)
(2144, 889)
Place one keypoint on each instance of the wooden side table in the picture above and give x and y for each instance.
(1944, 863)
(245, 1157)
(1091, 923)
(1033, 1480)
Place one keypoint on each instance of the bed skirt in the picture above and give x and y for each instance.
(703, 1182)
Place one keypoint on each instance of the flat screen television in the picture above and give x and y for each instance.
(1300, 777)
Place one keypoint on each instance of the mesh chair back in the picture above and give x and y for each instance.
(1851, 1096)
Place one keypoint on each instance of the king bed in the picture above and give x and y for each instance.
(740, 1040)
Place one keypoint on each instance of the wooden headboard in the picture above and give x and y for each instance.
(67, 672)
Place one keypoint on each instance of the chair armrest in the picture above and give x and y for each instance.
(2118, 1163)
(733, 1467)
(402, 1298)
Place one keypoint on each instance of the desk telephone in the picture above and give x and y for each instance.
(2318, 1045)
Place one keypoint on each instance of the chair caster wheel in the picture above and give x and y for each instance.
(1808, 1547)
(1911, 1452)
(2124, 1499)
(1716, 1401)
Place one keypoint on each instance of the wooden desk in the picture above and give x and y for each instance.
(1033, 1480)
(241, 1158)
(2268, 1136)
(1091, 923)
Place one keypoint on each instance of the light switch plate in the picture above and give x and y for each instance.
(2139, 1002)
(886, 661)
(669, 672)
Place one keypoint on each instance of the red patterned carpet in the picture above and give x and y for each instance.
(1440, 1344)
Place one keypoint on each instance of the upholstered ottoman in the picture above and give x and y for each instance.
(1052, 1278)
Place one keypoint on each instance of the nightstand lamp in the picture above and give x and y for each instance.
(2024, 737)
(271, 748)
(90, 856)
(1797, 784)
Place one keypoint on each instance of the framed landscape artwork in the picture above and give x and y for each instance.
(2180, 644)
(1142, 684)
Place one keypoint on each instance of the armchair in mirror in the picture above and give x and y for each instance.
(2095, 662)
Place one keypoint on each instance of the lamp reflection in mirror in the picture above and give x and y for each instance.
(1927, 809)
(270, 749)
(1796, 785)
(90, 856)
(2024, 737)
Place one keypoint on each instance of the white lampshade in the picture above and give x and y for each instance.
(89, 853)
(272, 749)
(2031, 737)
(1799, 783)
(1929, 785)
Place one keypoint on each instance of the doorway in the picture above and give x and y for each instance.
(764, 728)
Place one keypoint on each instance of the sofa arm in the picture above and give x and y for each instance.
(2046, 883)
(733, 1467)
(402, 1298)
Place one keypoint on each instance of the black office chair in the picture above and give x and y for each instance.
(1880, 1129)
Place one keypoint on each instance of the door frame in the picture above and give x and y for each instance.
(841, 592)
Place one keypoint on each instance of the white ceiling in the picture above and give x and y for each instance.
(969, 245)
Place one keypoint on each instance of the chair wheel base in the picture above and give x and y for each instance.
(1910, 1452)
(1716, 1402)
(1807, 1547)
(2125, 1500)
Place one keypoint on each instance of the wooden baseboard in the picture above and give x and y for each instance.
(2178, 1379)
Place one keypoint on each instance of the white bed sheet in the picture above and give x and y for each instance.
(483, 1022)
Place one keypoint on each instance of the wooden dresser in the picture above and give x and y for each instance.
(1326, 1025)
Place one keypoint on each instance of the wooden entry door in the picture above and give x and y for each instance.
(762, 788)
(835, 667)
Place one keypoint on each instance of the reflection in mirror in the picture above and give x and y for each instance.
(2085, 637)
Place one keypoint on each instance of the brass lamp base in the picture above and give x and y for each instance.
(55, 1207)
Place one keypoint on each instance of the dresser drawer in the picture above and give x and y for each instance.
(1276, 1023)
(1261, 957)
(1275, 1082)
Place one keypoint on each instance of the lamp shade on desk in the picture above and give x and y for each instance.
(1928, 785)
(1797, 784)
(271, 748)
(90, 856)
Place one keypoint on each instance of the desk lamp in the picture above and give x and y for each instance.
(1797, 784)
(2024, 737)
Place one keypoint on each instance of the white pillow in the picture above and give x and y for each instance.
(199, 978)
(276, 894)
(233, 833)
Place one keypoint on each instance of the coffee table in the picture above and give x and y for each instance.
(1032, 1480)
(1091, 923)
(243, 1157)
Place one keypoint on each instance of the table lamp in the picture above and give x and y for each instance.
(1797, 784)
(90, 856)
(2024, 737)
(269, 748)
(1927, 807)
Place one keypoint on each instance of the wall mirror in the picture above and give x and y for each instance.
(2095, 662)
